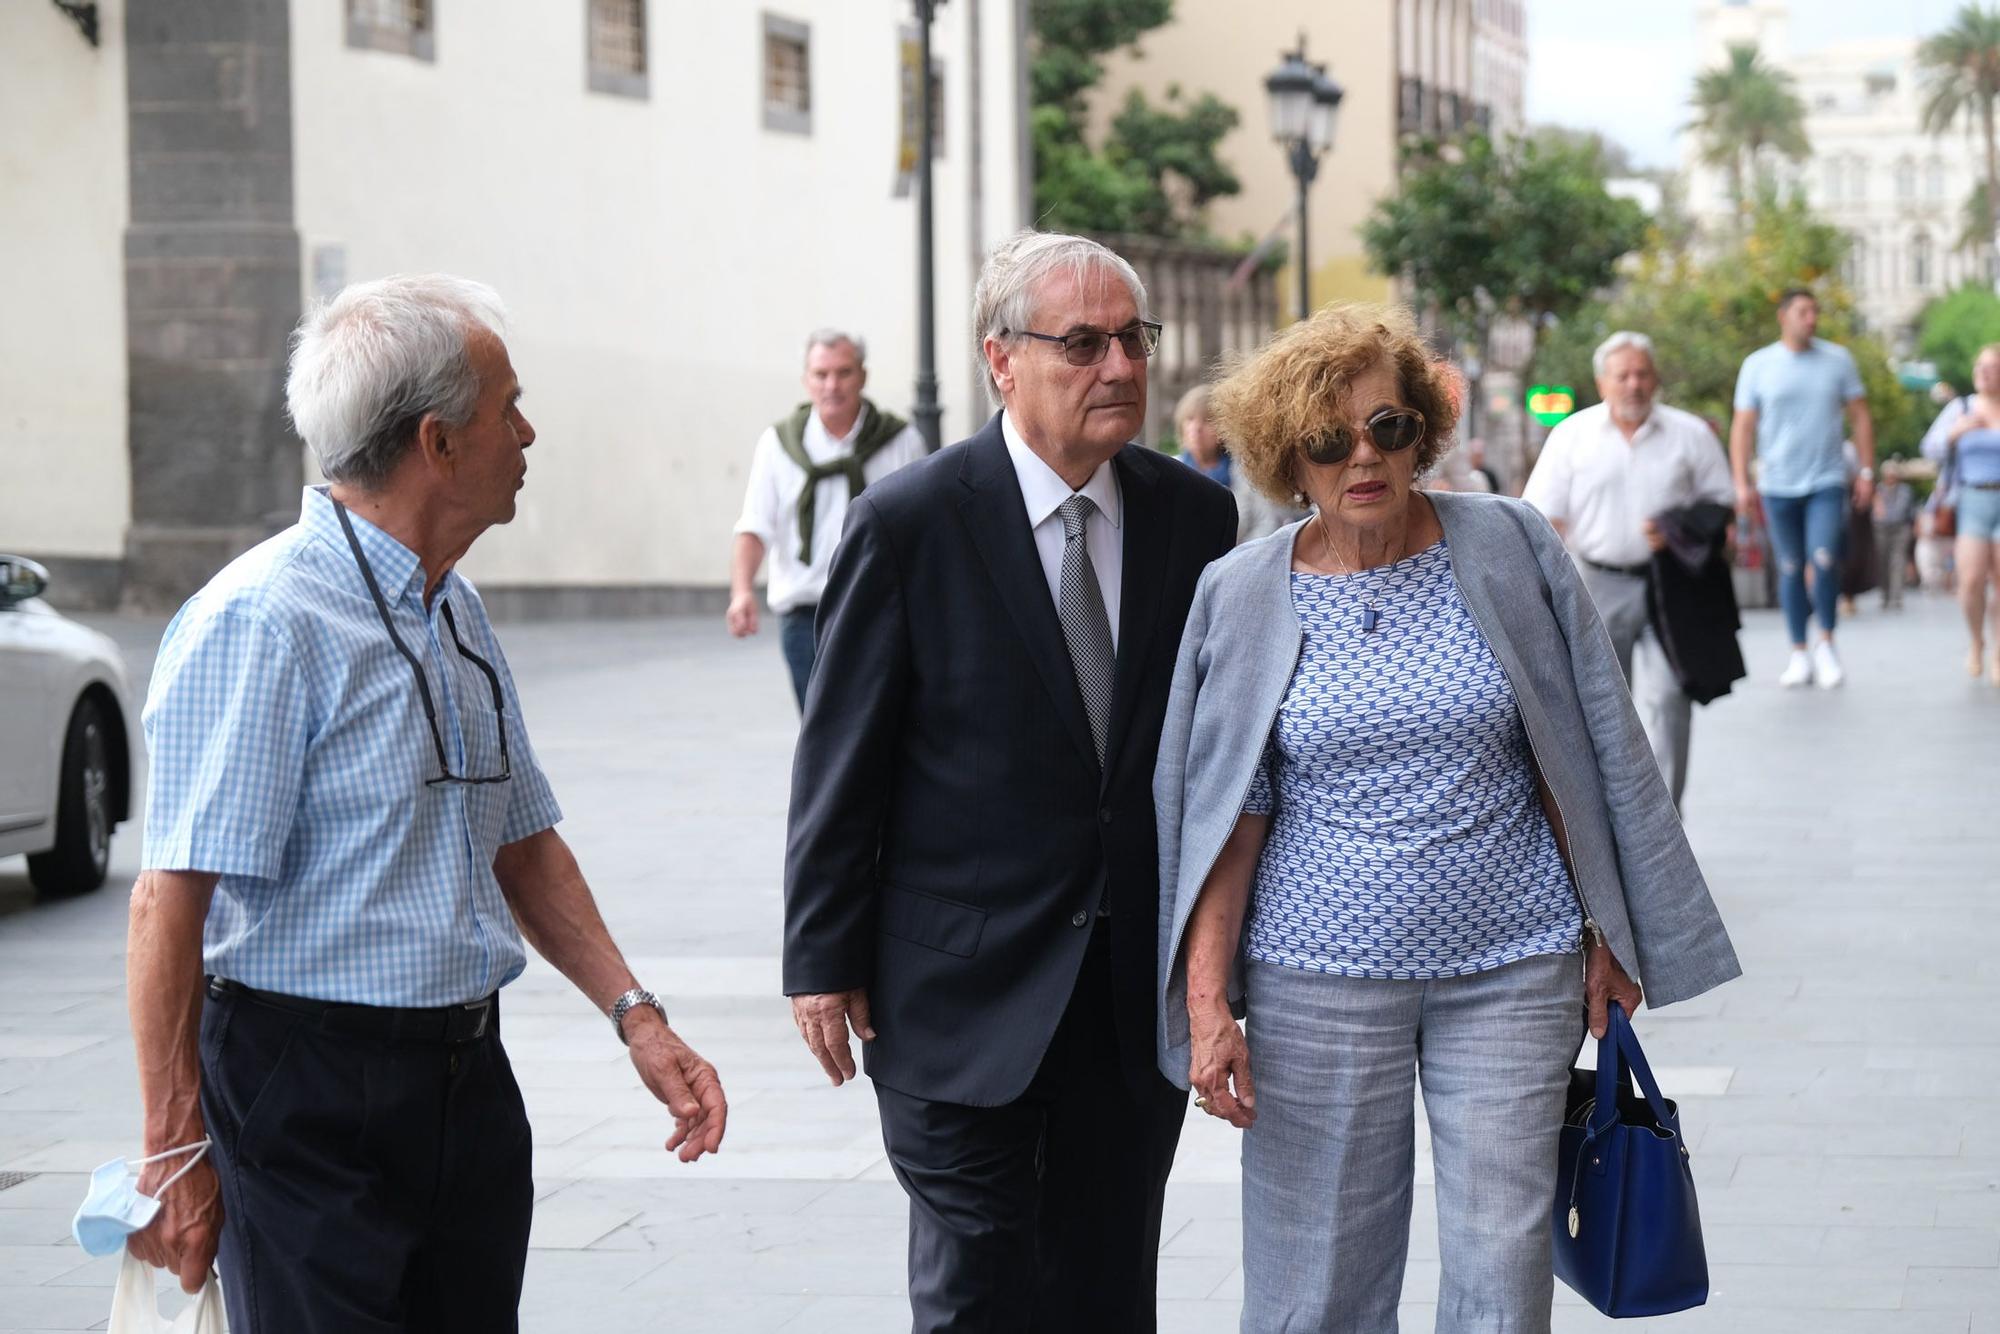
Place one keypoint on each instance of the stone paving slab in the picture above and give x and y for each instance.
(1835, 1096)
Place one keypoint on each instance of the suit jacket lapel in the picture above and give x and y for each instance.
(1148, 540)
(996, 516)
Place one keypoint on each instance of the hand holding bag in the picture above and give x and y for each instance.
(1944, 507)
(1627, 1230)
(135, 1310)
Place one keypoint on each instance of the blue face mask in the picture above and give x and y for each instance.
(113, 1209)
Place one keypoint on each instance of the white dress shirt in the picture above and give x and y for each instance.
(1602, 488)
(1044, 491)
(771, 504)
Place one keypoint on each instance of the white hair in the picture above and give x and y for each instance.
(1002, 301)
(834, 338)
(1618, 342)
(369, 365)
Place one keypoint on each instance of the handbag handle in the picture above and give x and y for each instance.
(1617, 1051)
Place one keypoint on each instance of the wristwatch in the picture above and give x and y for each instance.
(1866, 474)
(623, 1006)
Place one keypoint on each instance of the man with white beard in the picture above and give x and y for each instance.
(1603, 474)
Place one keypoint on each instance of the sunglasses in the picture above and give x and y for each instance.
(1391, 430)
(1089, 346)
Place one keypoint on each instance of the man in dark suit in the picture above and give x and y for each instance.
(972, 880)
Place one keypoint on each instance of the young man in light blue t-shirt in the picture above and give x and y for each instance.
(1791, 398)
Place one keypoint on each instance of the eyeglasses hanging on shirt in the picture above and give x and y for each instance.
(445, 775)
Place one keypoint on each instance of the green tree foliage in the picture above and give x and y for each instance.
(1741, 109)
(1157, 168)
(1522, 227)
(1962, 79)
(1954, 328)
(1706, 313)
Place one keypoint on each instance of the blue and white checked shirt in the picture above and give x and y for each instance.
(289, 753)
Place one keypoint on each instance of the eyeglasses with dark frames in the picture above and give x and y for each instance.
(1391, 430)
(1087, 347)
(445, 775)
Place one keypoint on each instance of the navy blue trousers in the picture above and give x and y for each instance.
(368, 1186)
(1041, 1216)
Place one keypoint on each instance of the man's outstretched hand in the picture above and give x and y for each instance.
(687, 1084)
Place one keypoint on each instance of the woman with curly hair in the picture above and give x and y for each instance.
(1401, 787)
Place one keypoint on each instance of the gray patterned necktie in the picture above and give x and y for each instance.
(1085, 626)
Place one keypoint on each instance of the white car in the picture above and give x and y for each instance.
(65, 756)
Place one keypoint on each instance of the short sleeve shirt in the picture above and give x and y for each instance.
(290, 756)
(1801, 401)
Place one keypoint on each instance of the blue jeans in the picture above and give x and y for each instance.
(795, 641)
(1815, 523)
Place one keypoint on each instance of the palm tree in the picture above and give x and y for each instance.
(1962, 77)
(1977, 221)
(1743, 108)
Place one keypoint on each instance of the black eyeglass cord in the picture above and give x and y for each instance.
(445, 775)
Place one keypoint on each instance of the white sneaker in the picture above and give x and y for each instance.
(1826, 669)
(1798, 672)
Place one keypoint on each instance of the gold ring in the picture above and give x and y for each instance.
(1201, 1100)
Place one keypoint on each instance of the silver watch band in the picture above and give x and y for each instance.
(623, 1006)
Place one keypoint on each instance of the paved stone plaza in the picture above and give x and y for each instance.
(1837, 1097)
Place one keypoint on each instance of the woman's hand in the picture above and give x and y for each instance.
(1603, 982)
(1219, 1067)
(1971, 420)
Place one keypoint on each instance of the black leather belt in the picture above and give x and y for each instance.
(1630, 571)
(443, 1023)
(1984, 486)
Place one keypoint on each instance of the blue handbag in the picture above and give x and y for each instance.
(1627, 1230)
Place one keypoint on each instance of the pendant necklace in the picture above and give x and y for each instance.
(1370, 615)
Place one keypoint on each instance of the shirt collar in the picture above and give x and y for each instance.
(397, 570)
(1044, 490)
(1651, 426)
(813, 423)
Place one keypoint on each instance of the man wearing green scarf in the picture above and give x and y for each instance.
(807, 467)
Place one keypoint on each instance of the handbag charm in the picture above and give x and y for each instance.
(1626, 1227)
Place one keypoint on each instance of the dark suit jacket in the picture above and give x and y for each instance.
(950, 833)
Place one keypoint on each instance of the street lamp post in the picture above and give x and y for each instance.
(927, 411)
(1304, 102)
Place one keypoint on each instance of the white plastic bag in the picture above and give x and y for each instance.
(135, 1310)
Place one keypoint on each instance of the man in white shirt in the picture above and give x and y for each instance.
(805, 470)
(1602, 476)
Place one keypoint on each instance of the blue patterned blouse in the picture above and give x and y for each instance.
(1407, 838)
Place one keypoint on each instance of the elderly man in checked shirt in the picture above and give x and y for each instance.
(347, 836)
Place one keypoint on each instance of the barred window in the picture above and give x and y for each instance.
(618, 47)
(787, 75)
(406, 27)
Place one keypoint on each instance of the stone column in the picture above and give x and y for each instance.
(212, 288)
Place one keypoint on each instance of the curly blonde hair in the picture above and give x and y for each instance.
(1296, 386)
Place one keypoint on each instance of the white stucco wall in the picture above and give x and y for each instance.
(1863, 120)
(663, 259)
(64, 486)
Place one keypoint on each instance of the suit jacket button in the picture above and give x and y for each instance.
(1104, 815)
(1080, 918)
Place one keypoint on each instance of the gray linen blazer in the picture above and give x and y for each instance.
(1632, 865)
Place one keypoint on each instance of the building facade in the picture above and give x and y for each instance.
(1407, 67)
(1899, 193)
(668, 196)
